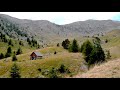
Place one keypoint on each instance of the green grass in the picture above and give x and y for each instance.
(73, 61)
(29, 68)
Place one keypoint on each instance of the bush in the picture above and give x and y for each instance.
(9, 50)
(66, 44)
(39, 69)
(108, 56)
(7, 55)
(21, 43)
(62, 69)
(14, 58)
(55, 52)
(106, 41)
(74, 47)
(58, 45)
(53, 73)
(19, 51)
(2, 56)
(10, 42)
(14, 73)
(38, 46)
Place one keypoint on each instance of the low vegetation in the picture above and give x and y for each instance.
(14, 73)
(14, 58)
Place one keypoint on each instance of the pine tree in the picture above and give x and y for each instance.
(1, 56)
(19, 51)
(97, 54)
(74, 47)
(10, 42)
(14, 58)
(14, 73)
(86, 49)
(92, 53)
(9, 52)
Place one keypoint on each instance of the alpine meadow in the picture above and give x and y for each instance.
(43, 49)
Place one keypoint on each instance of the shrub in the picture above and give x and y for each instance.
(55, 52)
(21, 43)
(2, 56)
(14, 58)
(106, 41)
(14, 73)
(10, 42)
(58, 45)
(108, 56)
(39, 69)
(9, 50)
(19, 51)
(38, 46)
(62, 69)
(53, 73)
(66, 44)
(7, 55)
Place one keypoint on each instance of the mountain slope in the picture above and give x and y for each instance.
(48, 33)
(93, 26)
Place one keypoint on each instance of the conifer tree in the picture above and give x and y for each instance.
(14, 73)
(74, 47)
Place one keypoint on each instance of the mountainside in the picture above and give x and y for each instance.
(46, 32)
(94, 26)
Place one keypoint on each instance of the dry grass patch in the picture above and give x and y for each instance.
(110, 69)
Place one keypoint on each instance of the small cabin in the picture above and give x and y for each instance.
(35, 55)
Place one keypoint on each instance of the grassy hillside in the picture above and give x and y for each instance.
(25, 49)
(73, 61)
(29, 68)
(110, 69)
